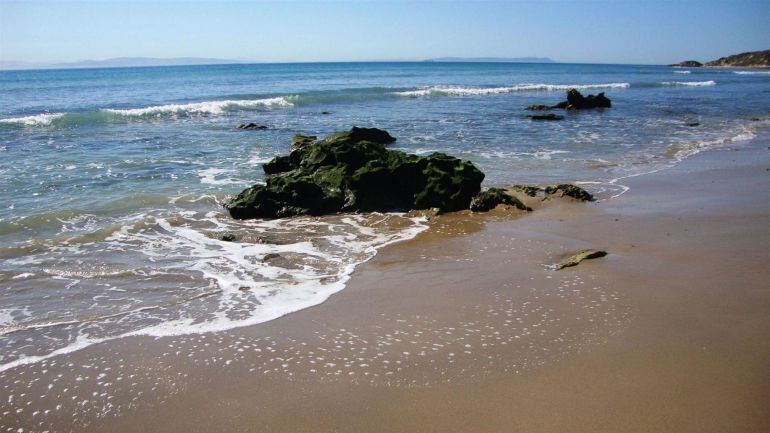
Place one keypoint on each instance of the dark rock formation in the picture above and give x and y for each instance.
(688, 64)
(530, 190)
(227, 237)
(250, 126)
(492, 197)
(569, 190)
(753, 59)
(579, 102)
(353, 171)
(693, 124)
(576, 101)
(574, 260)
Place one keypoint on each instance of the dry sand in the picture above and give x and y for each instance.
(465, 329)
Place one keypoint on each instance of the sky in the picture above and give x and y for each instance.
(585, 31)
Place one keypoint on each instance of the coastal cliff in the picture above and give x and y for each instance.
(752, 59)
(755, 59)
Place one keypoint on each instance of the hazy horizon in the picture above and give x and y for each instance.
(624, 32)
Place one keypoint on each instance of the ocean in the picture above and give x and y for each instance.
(112, 180)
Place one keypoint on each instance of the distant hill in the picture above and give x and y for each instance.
(688, 64)
(118, 62)
(493, 59)
(754, 59)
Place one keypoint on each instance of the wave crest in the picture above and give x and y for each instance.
(34, 120)
(689, 83)
(476, 91)
(207, 107)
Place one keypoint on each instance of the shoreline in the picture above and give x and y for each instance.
(607, 324)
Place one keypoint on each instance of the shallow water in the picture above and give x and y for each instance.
(112, 179)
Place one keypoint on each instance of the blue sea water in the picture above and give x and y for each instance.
(112, 179)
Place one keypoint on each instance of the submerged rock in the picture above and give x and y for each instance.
(539, 107)
(569, 190)
(353, 171)
(549, 116)
(492, 197)
(250, 126)
(227, 237)
(575, 259)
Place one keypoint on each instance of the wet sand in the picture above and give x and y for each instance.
(466, 329)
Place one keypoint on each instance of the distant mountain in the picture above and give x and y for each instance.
(754, 59)
(118, 62)
(493, 59)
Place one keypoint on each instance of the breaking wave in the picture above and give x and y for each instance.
(33, 120)
(689, 83)
(472, 91)
(207, 107)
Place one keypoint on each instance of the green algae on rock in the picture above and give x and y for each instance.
(353, 171)
(569, 190)
(493, 197)
(575, 259)
(530, 190)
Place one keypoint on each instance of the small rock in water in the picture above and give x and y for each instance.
(539, 107)
(576, 101)
(250, 126)
(227, 237)
(693, 124)
(489, 199)
(574, 260)
(271, 256)
(326, 112)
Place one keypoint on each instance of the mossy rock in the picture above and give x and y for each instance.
(302, 141)
(493, 197)
(348, 172)
(569, 190)
(530, 190)
(357, 135)
(575, 259)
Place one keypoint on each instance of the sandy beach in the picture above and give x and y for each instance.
(467, 329)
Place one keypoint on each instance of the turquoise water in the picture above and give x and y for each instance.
(112, 179)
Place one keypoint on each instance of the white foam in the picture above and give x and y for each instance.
(223, 269)
(752, 72)
(476, 91)
(207, 107)
(681, 72)
(214, 176)
(35, 120)
(689, 83)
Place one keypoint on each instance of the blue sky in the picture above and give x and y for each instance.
(619, 31)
